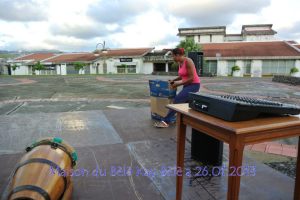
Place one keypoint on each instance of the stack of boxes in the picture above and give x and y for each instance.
(160, 95)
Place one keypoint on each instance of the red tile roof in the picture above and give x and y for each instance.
(73, 57)
(35, 56)
(127, 52)
(88, 57)
(249, 49)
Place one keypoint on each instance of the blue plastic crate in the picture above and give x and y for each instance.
(159, 88)
(158, 84)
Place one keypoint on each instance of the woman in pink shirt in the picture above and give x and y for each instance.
(188, 77)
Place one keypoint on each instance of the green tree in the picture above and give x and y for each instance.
(294, 70)
(189, 45)
(38, 66)
(14, 67)
(235, 68)
(79, 66)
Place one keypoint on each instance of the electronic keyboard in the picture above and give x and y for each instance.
(238, 108)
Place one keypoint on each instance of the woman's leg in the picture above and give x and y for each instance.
(182, 97)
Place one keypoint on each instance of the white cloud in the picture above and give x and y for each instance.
(24, 35)
(69, 43)
(282, 14)
(76, 25)
(85, 30)
(117, 11)
(212, 12)
(23, 10)
(149, 29)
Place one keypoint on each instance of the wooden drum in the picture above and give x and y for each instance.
(43, 172)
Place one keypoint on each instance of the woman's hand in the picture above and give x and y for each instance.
(170, 82)
(173, 86)
(176, 84)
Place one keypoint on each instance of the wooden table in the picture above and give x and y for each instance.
(237, 135)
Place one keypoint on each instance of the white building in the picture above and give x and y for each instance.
(217, 34)
(123, 61)
(23, 65)
(113, 61)
(255, 50)
(254, 58)
(160, 61)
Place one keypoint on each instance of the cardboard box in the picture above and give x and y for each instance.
(158, 105)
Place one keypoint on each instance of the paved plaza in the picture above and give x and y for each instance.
(107, 119)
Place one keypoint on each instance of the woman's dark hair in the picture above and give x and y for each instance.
(178, 51)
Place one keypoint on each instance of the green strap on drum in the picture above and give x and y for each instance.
(74, 156)
(55, 143)
(57, 140)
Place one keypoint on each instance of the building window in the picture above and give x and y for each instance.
(199, 38)
(159, 67)
(71, 70)
(247, 65)
(210, 67)
(49, 70)
(131, 69)
(125, 69)
(270, 67)
(121, 69)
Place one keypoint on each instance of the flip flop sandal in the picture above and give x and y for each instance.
(161, 124)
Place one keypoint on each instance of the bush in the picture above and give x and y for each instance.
(79, 65)
(38, 66)
(235, 68)
(294, 70)
(14, 67)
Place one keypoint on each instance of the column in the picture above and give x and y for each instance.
(222, 68)
(256, 68)
(167, 67)
(240, 63)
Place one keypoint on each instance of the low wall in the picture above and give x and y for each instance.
(165, 73)
(176, 74)
(286, 79)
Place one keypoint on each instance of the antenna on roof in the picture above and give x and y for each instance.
(103, 50)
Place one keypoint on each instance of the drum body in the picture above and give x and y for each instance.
(43, 172)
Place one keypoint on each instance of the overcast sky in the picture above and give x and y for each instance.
(78, 25)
